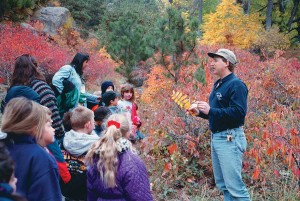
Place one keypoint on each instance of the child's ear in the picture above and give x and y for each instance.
(87, 124)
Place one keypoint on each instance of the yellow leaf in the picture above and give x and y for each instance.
(182, 98)
(174, 95)
(187, 105)
(178, 97)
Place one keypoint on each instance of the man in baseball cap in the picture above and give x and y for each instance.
(226, 54)
(226, 113)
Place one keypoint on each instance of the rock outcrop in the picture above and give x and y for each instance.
(54, 18)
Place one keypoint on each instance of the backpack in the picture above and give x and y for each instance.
(76, 188)
(68, 97)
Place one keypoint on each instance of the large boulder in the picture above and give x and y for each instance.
(54, 18)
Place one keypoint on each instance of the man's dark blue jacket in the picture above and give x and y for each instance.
(228, 104)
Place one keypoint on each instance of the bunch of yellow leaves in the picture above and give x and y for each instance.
(182, 101)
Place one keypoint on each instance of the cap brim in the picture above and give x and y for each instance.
(212, 55)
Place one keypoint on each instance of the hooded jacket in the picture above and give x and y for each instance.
(77, 143)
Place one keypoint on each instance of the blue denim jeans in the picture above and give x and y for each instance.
(227, 158)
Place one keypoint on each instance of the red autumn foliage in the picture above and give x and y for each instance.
(272, 122)
(172, 148)
(16, 40)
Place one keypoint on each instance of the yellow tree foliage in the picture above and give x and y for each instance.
(272, 40)
(156, 83)
(228, 25)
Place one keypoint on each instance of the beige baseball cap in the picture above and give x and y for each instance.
(225, 53)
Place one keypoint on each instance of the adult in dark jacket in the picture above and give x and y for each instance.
(114, 171)
(24, 121)
(26, 73)
(226, 113)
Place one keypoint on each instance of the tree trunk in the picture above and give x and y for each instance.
(269, 15)
(298, 31)
(293, 13)
(246, 6)
(200, 14)
(281, 6)
(200, 10)
(1, 9)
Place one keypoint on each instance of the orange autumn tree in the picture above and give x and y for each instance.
(156, 83)
(169, 129)
(229, 26)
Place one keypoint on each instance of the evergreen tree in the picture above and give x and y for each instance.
(87, 13)
(176, 36)
(127, 32)
(129, 43)
(17, 10)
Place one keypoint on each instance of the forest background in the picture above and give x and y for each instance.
(161, 47)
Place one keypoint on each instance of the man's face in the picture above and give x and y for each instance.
(219, 67)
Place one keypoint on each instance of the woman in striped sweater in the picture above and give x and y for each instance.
(26, 73)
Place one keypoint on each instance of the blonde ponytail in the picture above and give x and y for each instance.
(105, 150)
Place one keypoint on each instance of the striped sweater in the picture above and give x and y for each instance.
(48, 99)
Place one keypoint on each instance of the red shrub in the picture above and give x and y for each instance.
(16, 41)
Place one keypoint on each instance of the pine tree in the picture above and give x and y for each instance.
(17, 10)
(126, 30)
(176, 36)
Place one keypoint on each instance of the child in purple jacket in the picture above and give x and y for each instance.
(114, 171)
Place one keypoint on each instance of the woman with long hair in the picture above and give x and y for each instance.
(114, 170)
(26, 73)
(73, 72)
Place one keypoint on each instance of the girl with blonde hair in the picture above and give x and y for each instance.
(114, 171)
(26, 122)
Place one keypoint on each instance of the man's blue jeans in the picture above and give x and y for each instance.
(227, 158)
